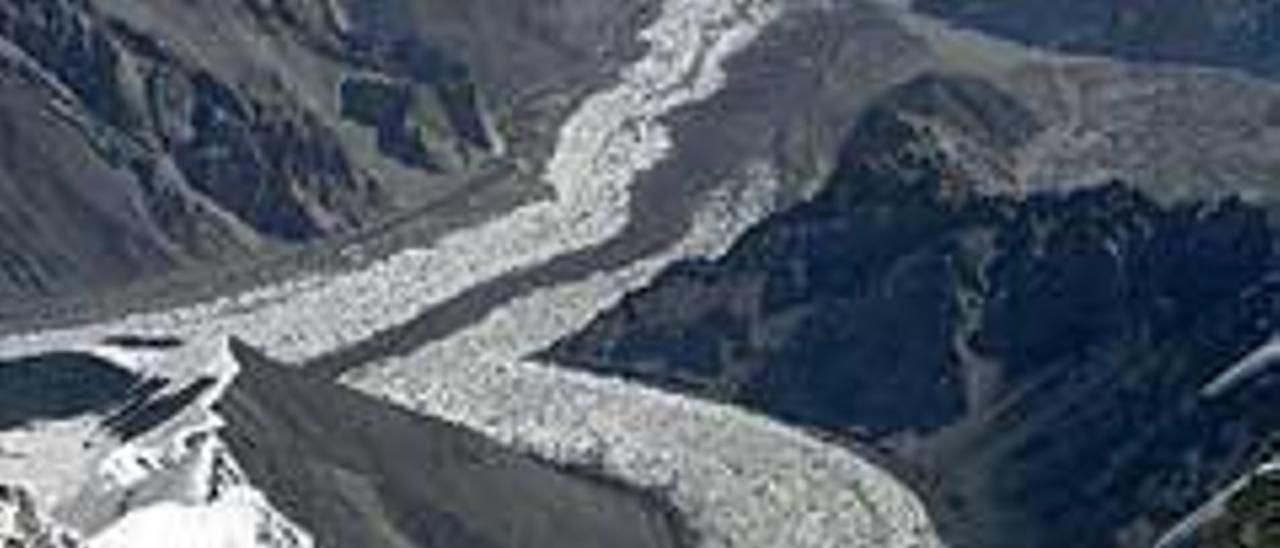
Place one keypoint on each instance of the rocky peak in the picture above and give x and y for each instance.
(955, 132)
(22, 525)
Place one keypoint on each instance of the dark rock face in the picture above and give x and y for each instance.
(408, 122)
(354, 471)
(142, 415)
(1241, 34)
(1036, 361)
(269, 164)
(145, 149)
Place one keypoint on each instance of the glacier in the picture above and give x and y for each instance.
(740, 479)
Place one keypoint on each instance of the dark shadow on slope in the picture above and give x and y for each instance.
(142, 415)
(143, 342)
(355, 471)
(60, 386)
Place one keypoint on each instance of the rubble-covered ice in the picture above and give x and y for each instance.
(740, 479)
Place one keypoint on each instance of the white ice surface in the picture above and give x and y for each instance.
(241, 518)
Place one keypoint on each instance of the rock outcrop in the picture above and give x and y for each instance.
(23, 526)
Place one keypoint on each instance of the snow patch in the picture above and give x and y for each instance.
(240, 518)
(1256, 363)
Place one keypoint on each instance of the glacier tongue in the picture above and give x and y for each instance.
(738, 478)
(741, 479)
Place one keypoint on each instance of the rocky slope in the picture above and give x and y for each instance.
(148, 136)
(1238, 34)
(1039, 362)
(354, 471)
(1247, 518)
(379, 78)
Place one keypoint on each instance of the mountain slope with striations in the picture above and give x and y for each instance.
(144, 137)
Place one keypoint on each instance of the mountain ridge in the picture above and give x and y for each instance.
(963, 332)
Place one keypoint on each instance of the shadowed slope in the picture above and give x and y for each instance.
(355, 472)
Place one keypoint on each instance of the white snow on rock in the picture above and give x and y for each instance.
(212, 505)
(23, 526)
(182, 483)
(1256, 363)
(176, 485)
(240, 518)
